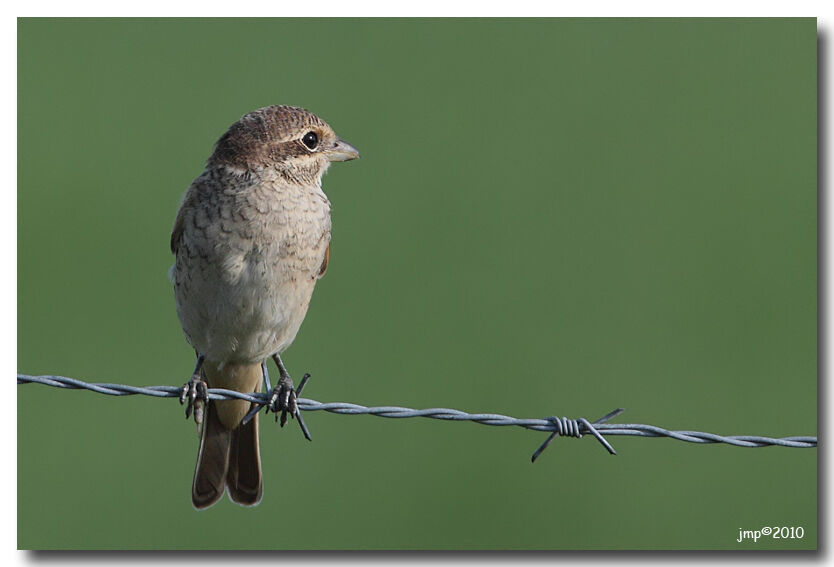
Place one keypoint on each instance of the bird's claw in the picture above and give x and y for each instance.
(195, 393)
(283, 400)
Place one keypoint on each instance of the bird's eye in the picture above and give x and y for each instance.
(311, 140)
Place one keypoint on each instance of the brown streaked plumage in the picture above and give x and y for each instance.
(251, 238)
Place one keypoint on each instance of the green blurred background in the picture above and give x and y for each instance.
(549, 217)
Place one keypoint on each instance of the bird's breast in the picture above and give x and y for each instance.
(254, 258)
(285, 237)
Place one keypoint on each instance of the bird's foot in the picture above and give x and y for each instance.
(283, 400)
(195, 393)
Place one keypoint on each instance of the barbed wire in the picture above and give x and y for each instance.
(563, 426)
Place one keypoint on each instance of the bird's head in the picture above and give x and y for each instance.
(295, 143)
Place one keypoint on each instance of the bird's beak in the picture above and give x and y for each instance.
(341, 151)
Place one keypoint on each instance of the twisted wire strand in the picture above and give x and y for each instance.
(562, 427)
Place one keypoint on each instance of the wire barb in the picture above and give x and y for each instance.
(556, 426)
(565, 427)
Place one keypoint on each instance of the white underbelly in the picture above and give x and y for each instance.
(245, 312)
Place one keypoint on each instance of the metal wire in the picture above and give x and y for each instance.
(562, 427)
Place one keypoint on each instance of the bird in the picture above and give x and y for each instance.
(251, 239)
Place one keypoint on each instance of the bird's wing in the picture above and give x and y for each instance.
(187, 201)
(177, 232)
(323, 268)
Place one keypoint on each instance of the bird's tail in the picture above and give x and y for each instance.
(229, 456)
